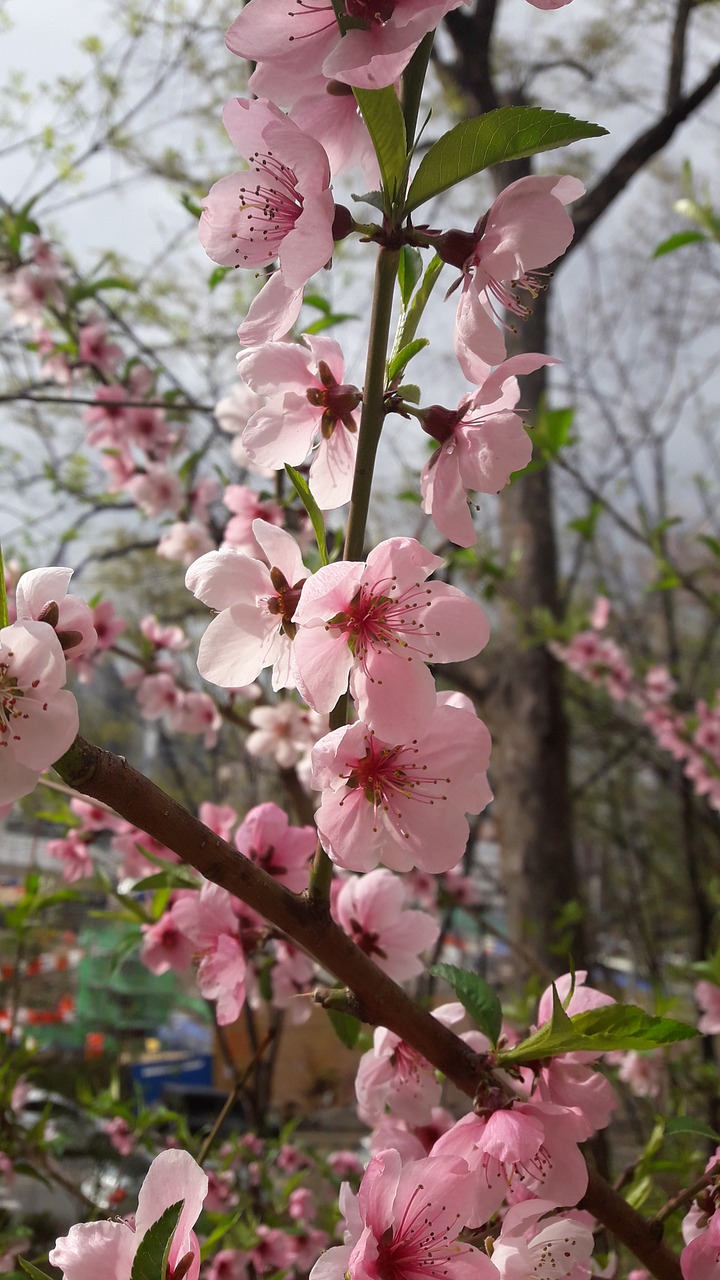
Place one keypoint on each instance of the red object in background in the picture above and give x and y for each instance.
(94, 1046)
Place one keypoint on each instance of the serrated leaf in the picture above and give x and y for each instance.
(509, 133)
(688, 1124)
(403, 357)
(476, 996)
(616, 1026)
(30, 1269)
(678, 241)
(375, 198)
(151, 1259)
(383, 116)
(346, 1028)
(409, 271)
(301, 488)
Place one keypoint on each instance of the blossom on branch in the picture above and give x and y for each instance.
(379, 623)
(38, 718)
(403, 804)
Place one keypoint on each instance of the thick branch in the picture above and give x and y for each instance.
(109, 778)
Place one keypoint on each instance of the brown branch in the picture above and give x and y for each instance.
(689, 1193)
(380, 1001)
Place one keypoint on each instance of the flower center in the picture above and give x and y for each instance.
(268, 210)
(284, 604)
(337, 401)
(390, 776)
(373, 13)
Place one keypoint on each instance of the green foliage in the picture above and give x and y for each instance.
(410, 269)
(509, 133)
(30, 1269)
(398, 363)
(151, 1259)
(476, 996)
(617, 1026)
(346, 1028)
(383, 116)
(312, 508)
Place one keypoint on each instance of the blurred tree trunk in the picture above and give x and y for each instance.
(523, 698)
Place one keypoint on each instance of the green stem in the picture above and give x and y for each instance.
(371, 425)
(4, 615)
(373, 410)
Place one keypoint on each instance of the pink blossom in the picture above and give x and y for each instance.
(307, 402)
(700, 1259)
(707, 995)
(220, 818)
(38, 718)
(120, 1134)
(165, 946)
(406, 1222)
(196, 712)
(525, 228)
(162, 636)
(642, 1072)
(284, 731)
(282, 208)
(273, 1250)
(256, 605)
(94, 348)
(307, 40)
(184, 542)
(370, 909)
(228, 1264)
(247, 508)
(394, 1075)
(74, 854)
(301, 1204)
(209, 921)
(534, 1144)
(403, 804)
(344, 1164)
(107, 1249)
(379, 623)
(532, 1244)
(42, 595)
(600, 614)
(155, 490)
(108, 626)
(481, 444)
(284, 852)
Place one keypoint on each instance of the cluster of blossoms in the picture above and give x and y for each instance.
(691, 737)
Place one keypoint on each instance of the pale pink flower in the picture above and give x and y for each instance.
(707, 995)
(379, 623)
(94, 348)
(345, 1164)
(196, 713)
(305, 39)
(38, 718)
(155, 490)
(247, 507)
(531, 1144)
(204, 492)
(371, 910)
(700, 1259)
(532, 1244)
(184, 542)
(284, 852)
(659, 685)
(281, 208)
(220, 818)
(165, 946)
(74, 854)
(42, 595)
(163, 636)
(157, 695)
(108, 1249)
(120, 1134)
(405, 1223)
(301, 1205)
(292, 975)
(308, 407)
(228, 1264)
(402, 804)
(108, 626)
(642, 1072)
(256, 604)
(526, 228)
(481, 444)
(284, 731)
(209, 921)
(394, 1075)
(600, 614)
(233, 411)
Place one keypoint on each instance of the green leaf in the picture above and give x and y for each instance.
(476, 996)
(346, 1028)
(217, 275)
(713, 544)
(312, 508)
(409, 272)
(585, 525)
(32, 1270)
(552, 431)
(383, 116)
(403, 357)
(506, 134)
(678, 241)
(375, 198)
(616, 1026)
(688, 1124)
(191, 205)
(151, 1259)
